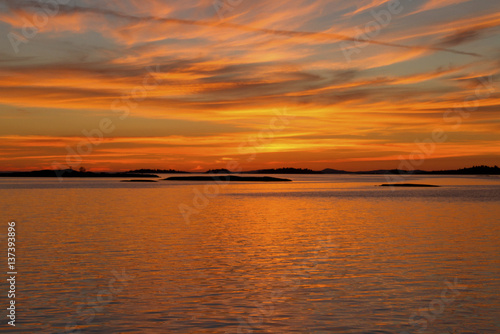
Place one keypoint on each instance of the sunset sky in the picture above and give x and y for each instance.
(190, 85)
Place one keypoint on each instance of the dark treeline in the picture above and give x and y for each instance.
(146, 170)
(475, 170)
(72, 173)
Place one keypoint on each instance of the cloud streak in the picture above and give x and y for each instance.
(246, 28)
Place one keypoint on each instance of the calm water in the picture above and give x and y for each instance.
(323, 254)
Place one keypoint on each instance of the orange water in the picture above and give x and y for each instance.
(322, 254)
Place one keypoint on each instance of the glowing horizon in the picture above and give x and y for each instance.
(190, 85)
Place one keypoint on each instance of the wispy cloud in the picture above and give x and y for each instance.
(135, 19)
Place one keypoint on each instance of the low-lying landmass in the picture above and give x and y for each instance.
(139, 180)
(475, 170)
(164, 171)
(225, 178)
(218, 171)
(285, 170)
(407, 185)
(149, 173)
(73, 173)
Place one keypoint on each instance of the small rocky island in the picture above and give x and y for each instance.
(407, 185)
(226, 178)
(139, 180)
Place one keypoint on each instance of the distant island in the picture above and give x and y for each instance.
(218, 171)
(230, 178)
(138, 180)
(407, 185)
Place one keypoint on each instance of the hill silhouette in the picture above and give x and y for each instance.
(475, 170)
(72, 173)
(166, 171)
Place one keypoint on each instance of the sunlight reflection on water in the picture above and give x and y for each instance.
(323, 254)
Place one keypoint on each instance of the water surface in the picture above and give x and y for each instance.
(322, 254)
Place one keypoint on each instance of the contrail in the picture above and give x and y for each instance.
(216, 24)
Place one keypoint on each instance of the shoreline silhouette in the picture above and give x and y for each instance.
(230, 178)
(151, 173)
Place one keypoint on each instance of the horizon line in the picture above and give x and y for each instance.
(253, 170)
